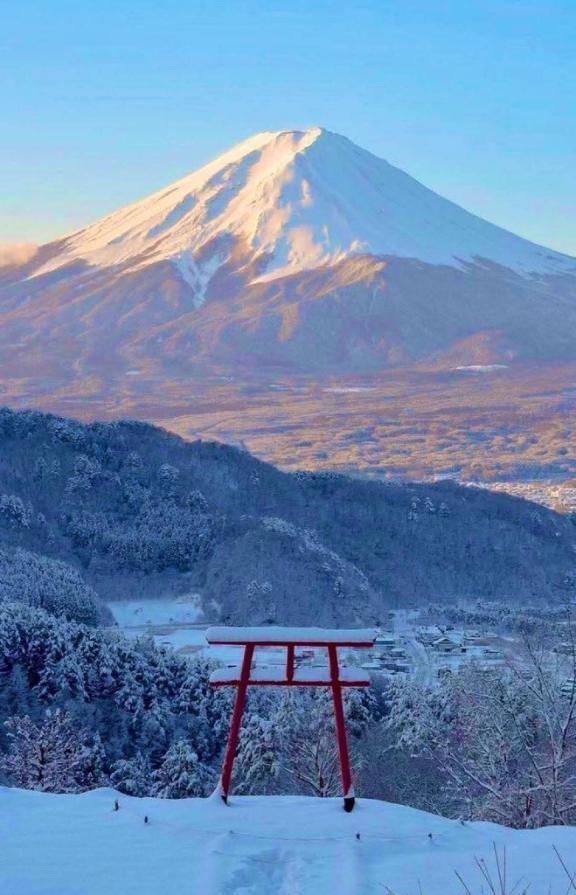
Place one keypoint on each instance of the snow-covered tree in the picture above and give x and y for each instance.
(182, 774)
(133, 776)
(16, 695)
(14, 511)
(258, 758)
(50, 584)
(288, 741)
(505, 741)
(309, 755)
(139, 697)
(51, 756)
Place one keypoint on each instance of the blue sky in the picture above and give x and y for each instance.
(103, 102)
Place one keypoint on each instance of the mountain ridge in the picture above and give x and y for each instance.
(136, 512)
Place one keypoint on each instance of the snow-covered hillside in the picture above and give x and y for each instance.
(303, 200)
(78, 845)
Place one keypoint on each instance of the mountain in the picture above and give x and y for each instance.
(134, 511)
(294, 251)
(303, 297)
(293, 202)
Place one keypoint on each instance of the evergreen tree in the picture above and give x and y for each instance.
(51, 756)
(133, 776)
(182, 774)
(258, 759)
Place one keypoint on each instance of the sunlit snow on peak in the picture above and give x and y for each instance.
(299, 199)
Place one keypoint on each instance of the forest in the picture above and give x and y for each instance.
(126, 509)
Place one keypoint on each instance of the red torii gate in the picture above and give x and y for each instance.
(242, 676)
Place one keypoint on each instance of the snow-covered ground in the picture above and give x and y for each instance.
(78, 845)
(175, 622)
(133, 614)
(171, 622)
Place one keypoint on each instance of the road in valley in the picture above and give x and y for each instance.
(421, 667)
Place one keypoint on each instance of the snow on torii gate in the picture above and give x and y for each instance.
(242, 676)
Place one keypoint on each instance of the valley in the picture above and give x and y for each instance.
(424, 646)
(510, 426)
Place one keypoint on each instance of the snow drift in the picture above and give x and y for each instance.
(78, 845)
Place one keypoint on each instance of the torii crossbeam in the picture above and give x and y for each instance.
(290, 675)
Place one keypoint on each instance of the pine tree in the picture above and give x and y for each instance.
(16, 697)
(51, 756)
(133, 776)
(258, 760)
(182, 774)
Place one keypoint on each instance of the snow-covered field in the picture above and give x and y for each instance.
(173, 622)
(139, 613)
(78, 845)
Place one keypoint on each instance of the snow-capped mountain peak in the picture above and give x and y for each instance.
(295, 201)
(297, 251)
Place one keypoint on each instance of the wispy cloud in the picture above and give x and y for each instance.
(16, 253)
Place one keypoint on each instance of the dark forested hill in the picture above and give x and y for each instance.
(133, 510)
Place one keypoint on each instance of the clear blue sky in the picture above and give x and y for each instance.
(104, 101)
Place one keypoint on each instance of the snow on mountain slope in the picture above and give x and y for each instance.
(77, 845)
(302, 200)
(296, 252)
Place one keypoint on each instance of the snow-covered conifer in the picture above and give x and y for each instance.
(182, 774)
(133, 776)
(51, 756)
(258, 760)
